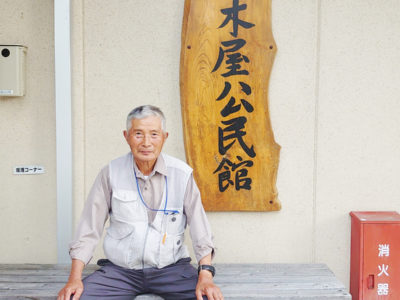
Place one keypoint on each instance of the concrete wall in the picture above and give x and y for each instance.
(358, 138)
(27, 137)
(334, 102)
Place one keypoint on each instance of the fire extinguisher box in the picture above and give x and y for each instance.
(375, 255)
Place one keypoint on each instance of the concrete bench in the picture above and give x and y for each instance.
(237, 282)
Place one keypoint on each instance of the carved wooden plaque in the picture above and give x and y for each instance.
(227, 54)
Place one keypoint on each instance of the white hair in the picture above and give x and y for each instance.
(145, 111)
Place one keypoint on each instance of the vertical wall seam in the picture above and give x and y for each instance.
(84, 98)
(62, 65)
(316, 114)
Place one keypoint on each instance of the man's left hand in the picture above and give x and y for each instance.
(205, 286)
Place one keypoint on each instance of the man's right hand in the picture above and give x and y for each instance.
(73, 287)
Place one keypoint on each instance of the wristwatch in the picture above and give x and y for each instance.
(206, 267)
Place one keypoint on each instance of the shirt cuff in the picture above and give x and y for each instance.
(76, 251)
(203, 252)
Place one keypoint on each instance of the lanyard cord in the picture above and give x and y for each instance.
(165, 210)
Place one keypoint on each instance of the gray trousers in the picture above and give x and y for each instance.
(174, 282)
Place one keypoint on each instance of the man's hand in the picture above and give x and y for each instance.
(73, 287)
(205, 286)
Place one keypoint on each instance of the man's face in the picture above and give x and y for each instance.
(146, 139)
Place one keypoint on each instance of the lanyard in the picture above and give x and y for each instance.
(165, 210)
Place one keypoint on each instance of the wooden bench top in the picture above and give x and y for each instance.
(237, 281)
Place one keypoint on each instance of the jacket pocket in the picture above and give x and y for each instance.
(125, 205)
(116, 243)
(176, 223)
(172, 250)
(119, 231)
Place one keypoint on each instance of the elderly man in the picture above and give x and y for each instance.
(150, 197)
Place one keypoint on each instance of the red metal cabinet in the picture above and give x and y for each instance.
(375, 255)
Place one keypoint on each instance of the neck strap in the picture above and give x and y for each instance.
(165, 210)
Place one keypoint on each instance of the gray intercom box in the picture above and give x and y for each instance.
(12, 70)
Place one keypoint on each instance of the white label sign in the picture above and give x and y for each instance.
(28, 170)
(6, 92)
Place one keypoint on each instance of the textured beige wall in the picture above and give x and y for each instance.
(27, 136)
(358, 143)
(334, 102)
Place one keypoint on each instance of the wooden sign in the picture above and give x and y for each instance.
(226, 59)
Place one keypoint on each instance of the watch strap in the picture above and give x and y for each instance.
(208, 268)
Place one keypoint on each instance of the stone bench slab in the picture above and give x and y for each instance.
(237, 281)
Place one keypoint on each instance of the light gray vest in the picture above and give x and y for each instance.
(131, 241)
